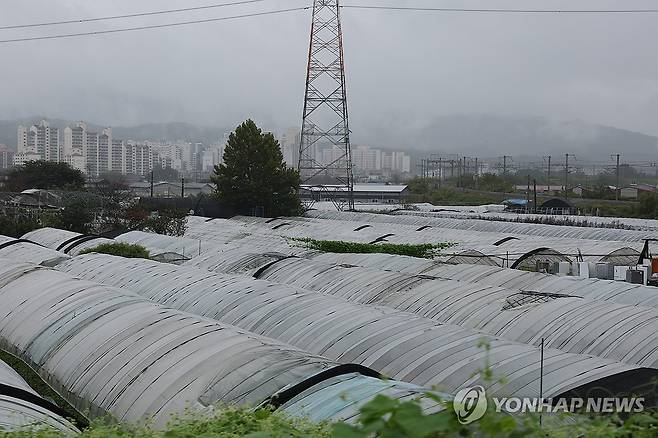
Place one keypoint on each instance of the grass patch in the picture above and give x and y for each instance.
(382, 416)
(424, 250)
(120, 249)
(230, 422)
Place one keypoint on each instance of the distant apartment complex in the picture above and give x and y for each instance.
(371, 160)
(96, 153)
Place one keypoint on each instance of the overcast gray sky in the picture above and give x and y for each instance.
(404, 68)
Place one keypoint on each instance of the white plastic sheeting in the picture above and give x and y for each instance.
(548, 219)
(511, 279)
(22, 408)
(499, 248)
(68, 242)
(543, 230)
(110, 351)
(401, 345)
(235, 232)
(605, 329)
(113, 352)
(22, 250)
(591, 288)
(157, 244)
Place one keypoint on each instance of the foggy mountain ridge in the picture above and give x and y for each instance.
(481, 135)
(491, 136)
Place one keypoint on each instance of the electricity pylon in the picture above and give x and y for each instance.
(325, 156)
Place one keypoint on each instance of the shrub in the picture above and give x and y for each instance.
(15, 224)
(170, 222)
(120, 249)
(382, 416)
(425, 250)
(227, 422)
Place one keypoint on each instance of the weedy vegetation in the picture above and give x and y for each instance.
(425, 250)
(120, 249)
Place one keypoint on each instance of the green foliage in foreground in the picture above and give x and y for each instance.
(382, 417)
(228, 422)
(425, 250)
(120, 249)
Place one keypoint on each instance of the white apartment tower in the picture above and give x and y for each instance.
(75, 146)
(118, 156)
(91, 153)
(22, 145)
(38, 142)
(104, 150)
(139, 159)
(290, 147)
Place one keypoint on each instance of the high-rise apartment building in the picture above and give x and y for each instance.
(38, 142)
(118, 156)
(75, 139)
(396, 162)
(6, 157)
(139, 159)
(91, 153)
(75, 146)
(104, 146)
(290, 146)
(22, 144)
(366, 158)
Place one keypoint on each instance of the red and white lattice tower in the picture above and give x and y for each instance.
(325, 156)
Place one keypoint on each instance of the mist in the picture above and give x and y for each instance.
(404, 69)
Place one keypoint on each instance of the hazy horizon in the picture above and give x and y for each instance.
(404, 69)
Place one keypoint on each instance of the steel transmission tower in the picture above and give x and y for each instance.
(325, 156)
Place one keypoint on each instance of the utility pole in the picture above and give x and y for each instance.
(541, 377)
(566, 174)
(534, 185)
(182, 187)
(548, 176)
(505, 157)
(527, 196)
(617, 174)
(151, 183)
(459, 173)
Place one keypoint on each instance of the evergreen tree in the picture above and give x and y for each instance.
(254, 174)
(45, 175)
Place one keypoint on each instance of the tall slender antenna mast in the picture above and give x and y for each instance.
(325, 156)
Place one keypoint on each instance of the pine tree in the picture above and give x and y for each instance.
(254, 174)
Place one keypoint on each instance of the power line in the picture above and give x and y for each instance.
(390, 8)
(138, 14)
(506, 11)
(155, 26)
